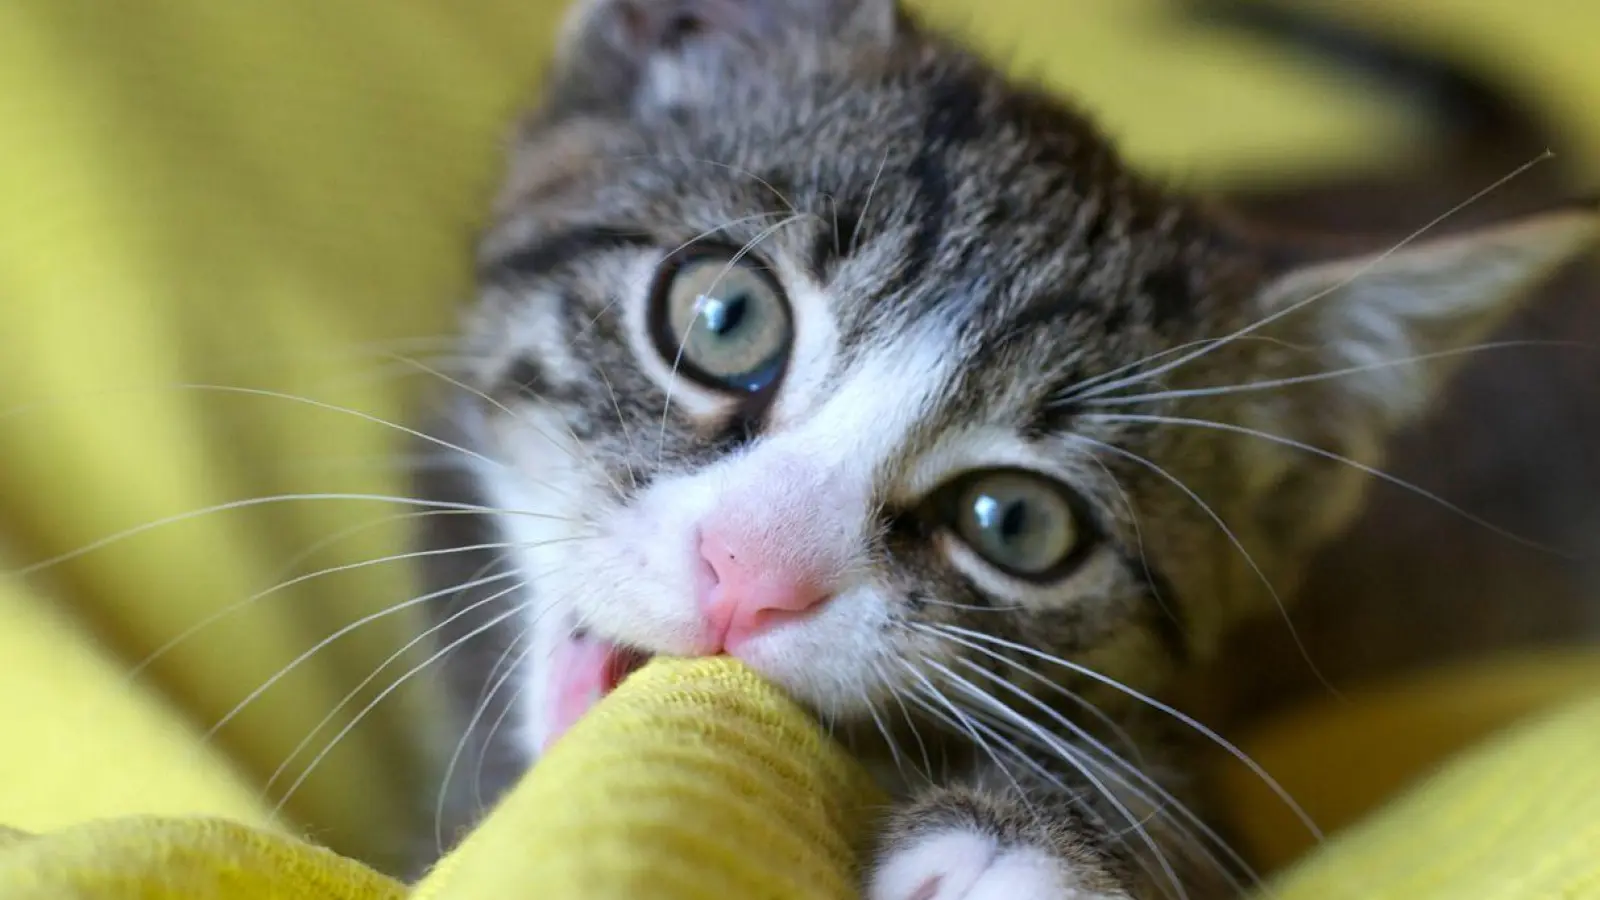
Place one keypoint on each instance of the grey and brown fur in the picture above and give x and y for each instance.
(976, 278)
(1411, 584)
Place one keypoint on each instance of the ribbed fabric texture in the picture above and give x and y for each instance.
(699, 781)
(693, 781)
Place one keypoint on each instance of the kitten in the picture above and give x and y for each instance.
(807, 336)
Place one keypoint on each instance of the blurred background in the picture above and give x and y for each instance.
(233, 238)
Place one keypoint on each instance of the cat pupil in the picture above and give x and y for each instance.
(1013, 521)
(1007, 521)
(723, 314)
(1000, 519)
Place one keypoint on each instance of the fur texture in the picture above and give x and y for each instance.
(970, 284)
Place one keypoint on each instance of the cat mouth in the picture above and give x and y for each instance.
(583, 670)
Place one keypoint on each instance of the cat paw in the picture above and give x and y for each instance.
(969, 865)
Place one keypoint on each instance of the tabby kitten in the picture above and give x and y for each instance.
(808, 337)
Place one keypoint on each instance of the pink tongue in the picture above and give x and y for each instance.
(582, 671)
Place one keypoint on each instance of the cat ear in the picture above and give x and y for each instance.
(608, 46)
(1428, 298)
(1375, 339)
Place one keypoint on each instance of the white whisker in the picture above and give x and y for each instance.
(333, 407)
(888, 739)
(1082, 387)
(1200, 727)
(1122, 399)
(174, 519)
(339, 633)
(1072, 759)
(622, 422)
(235, 607)
(965, 725)
(1177, 714)
(1292, 308)
(974, 607)
(1250, 560)
(479, 709)
(494, 726)
(1335, 457)
(911, 724)
(382, 695)
(524, 422)
(1150, 579)
(376, 349)
(861, 218)
(354, 692)
(1083, 734)
(1162, 797)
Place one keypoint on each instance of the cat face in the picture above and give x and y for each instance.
(809, 338)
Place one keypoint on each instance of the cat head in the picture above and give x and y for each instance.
(809, 337)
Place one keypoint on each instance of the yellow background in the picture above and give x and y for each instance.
(281, 196)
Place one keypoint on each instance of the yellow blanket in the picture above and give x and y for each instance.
(696, 780)
(226, 226)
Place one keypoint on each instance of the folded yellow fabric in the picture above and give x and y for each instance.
(1516, 819)
(180, 859)
(696, 780)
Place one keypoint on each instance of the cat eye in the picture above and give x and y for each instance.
(722, 322)
(1021, 523)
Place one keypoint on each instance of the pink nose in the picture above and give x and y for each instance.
(748, 590)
